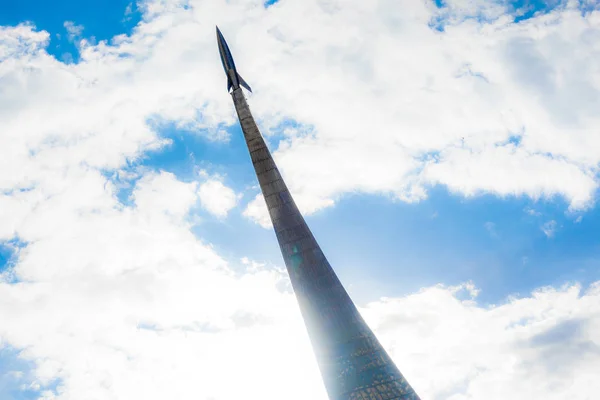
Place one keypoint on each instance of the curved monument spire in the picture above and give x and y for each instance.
(353, 364)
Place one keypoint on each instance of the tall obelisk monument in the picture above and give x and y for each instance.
(353, 364)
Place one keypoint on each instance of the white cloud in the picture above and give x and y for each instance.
(498, 170)
(153, 330)
(443, 114)
(18, 41)
(164, 193)
(549, 228)
(128, 11)
(532, 212)
(132, 289)
(217, 198)
(257, 211)
(543, 346)
(74, 31)
(395, 106)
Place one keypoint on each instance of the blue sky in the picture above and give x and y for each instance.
(380, 246)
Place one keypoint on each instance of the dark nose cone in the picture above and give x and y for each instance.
(221, 40)
(226, 57)
(222, 50)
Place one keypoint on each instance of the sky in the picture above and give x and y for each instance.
(445, 154)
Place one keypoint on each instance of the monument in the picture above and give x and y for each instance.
(353, 364)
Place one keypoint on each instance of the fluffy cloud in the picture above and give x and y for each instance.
(394, 106)
(543, 346)
(257, 211)
(215, 197)
(181, 323)
(390, 106)
(163, 193)
(497, 169)
(126, 302)
(74, 31)
(549, 228)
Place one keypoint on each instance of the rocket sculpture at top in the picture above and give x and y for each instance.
(353, 364)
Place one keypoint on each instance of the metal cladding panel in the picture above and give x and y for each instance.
(353, 364)
(287, 216)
